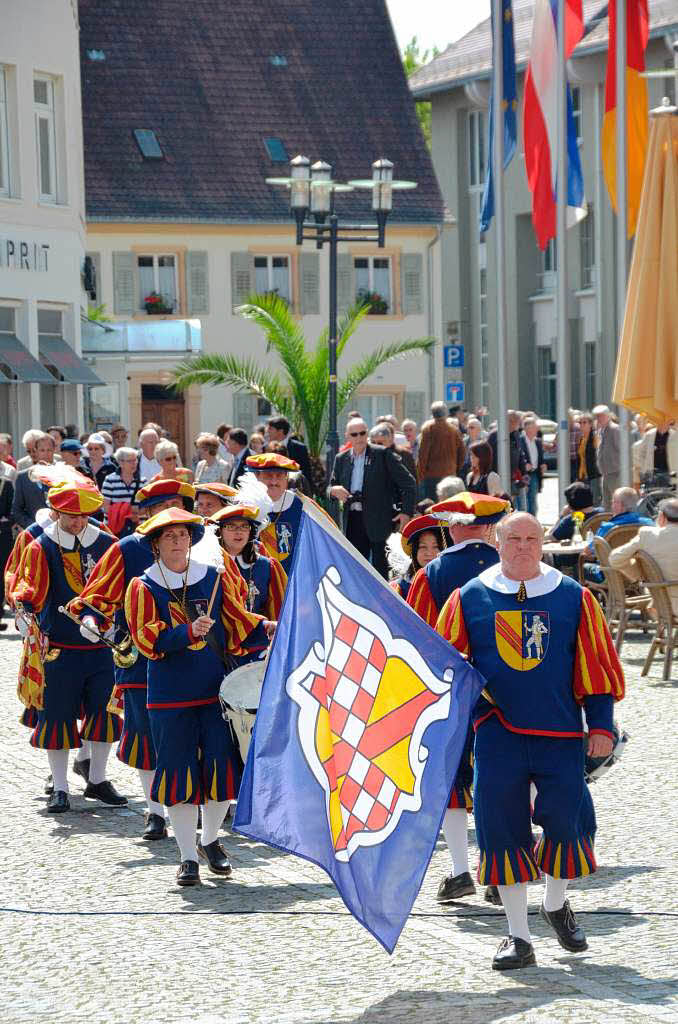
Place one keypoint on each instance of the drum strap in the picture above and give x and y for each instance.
(192, 614)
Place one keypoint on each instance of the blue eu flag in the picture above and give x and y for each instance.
(510, 110)
(363, 715)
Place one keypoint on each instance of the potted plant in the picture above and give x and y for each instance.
(155, 303)
(376, 303)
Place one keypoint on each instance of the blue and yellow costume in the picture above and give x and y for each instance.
(196, 761)
(546, 653)
(78, 675)
(104, 595)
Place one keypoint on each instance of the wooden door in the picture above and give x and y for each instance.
(170, 415)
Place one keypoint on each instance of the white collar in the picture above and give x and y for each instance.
(285, 502)
(547, 580)
(463, 544)
(361, 456)
(175, 580)
(67, 540)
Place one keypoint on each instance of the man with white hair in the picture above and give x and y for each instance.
(29, 441)
(441, 450)
(29, 495)
(529, 728)
(148, 464)
(370, 480)
(608, 452)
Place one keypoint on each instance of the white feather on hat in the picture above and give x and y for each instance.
(251, 491)
(208, 550)
(397, 560)
(57, 473)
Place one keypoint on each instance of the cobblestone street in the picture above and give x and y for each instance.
(94, 929)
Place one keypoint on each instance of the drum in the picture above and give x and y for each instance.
(239, 698)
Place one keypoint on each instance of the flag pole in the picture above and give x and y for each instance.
(562, 362)
(622, 225)
(503, 458)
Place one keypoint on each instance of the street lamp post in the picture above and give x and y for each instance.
(312, 192)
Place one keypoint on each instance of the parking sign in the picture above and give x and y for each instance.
(453, 356)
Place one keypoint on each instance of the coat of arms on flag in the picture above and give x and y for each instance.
(522, 638)
(366, 699)
(361, 725)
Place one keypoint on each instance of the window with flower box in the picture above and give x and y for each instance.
(158, 291)
(372, 275)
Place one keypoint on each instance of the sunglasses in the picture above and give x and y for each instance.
(169, 458)
(358, 433)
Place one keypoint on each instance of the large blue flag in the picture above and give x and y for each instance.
(361, 725)
(510, 110)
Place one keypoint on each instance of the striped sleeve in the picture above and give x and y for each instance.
(105, 588)
(238, 622)
(597, 669)
(421, 600)
(236, 582)
(32, 580)
(276, 590)
(143, 620)
(14, 561)
(269, 542)
(451, 624)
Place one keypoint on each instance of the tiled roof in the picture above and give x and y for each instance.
(214, 78)
(471, 56)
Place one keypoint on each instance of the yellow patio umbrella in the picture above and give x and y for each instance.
(646, 377)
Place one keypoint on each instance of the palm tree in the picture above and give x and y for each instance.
(301, 390)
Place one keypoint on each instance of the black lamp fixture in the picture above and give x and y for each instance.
(312, 191)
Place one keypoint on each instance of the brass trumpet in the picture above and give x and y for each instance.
(125, 653)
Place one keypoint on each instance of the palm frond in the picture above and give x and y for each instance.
(283, 334)
(217, 369)
(371, 363)
(349, 323)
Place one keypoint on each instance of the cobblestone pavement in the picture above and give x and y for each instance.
(94, 929)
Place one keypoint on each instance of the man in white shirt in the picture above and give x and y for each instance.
(660, 542)
(148, 464)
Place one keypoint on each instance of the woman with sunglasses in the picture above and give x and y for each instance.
(167, 455)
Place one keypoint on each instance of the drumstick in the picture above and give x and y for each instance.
(214, 593)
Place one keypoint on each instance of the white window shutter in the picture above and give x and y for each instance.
(242, 277)
(124, 284)
(244, 407)
(197, 283)
(411, 283)
(415, 402)
(345, 287)
(309, 282)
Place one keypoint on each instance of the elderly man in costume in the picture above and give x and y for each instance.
(54, 569)
(471, 519)
(101, 604)
(529, 727)
(169, 610)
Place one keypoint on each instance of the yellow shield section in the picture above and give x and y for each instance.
(509, 629)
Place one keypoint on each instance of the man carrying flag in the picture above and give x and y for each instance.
(359, 733)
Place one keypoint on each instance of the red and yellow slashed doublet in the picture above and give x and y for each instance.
(276, 590)
(105, 589)
(451, 624)
(597, 669)
(420, 598)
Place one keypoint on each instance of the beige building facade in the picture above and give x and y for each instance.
(42, 218)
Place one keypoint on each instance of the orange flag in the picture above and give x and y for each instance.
(637, 30)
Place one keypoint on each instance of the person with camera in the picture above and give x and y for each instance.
(370, 480)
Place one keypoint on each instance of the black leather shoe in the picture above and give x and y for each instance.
(58, 802)
(106, 792)
(49, 785)
(454, 887)
(214, 854)
(188, 873)
(569, 934)
(492, 896)
(82, 768)
(155, 827)
(513, 954)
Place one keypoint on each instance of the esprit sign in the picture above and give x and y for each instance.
(18, 255)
